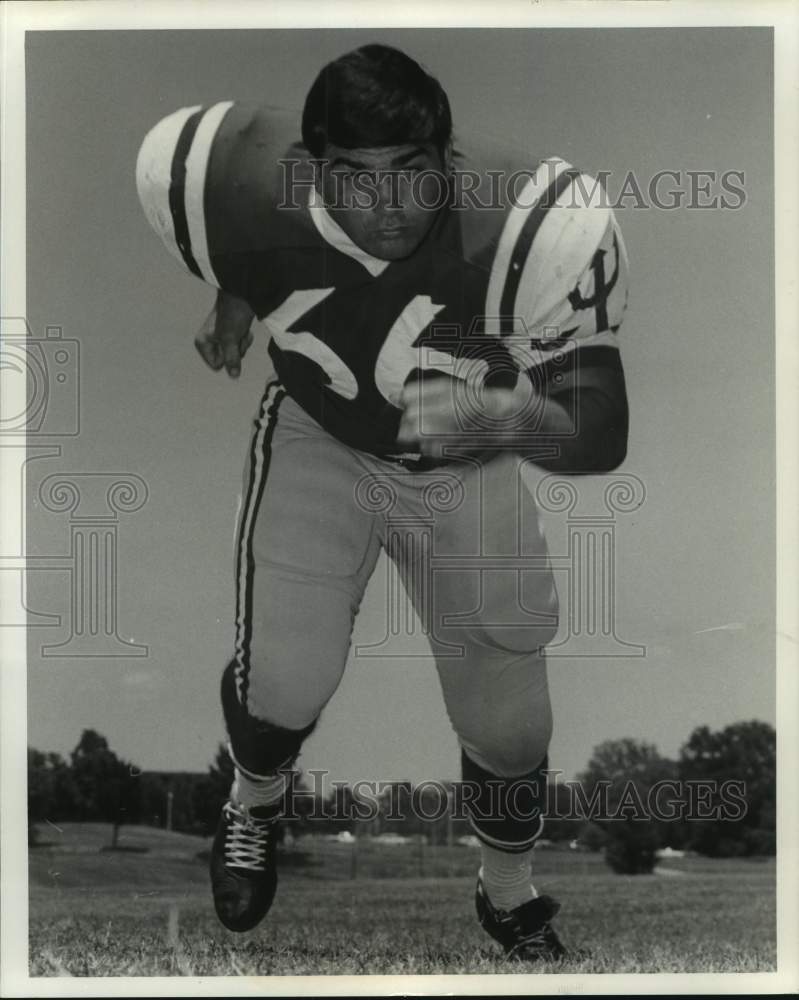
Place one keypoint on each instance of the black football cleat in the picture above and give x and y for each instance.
(524, 932)
(244, 865)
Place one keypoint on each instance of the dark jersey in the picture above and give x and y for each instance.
(524, 268)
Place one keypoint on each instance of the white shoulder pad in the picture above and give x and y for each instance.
(561, 267)
(170, 180)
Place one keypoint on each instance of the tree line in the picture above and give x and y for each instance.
(718, 798)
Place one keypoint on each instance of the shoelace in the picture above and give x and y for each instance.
(538, 938)
(247, 838)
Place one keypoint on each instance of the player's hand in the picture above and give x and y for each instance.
(226, 335)
(443, 411)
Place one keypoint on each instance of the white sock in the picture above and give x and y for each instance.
(507, 878)
(255, 792)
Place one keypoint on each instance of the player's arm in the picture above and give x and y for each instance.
(568, 408)
(580, 422)
(226, 335)
(573, 364)
(572, 425)
(206, 180)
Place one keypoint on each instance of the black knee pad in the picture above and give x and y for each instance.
(506, 813)
(259, 747)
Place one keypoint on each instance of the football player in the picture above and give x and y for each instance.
(428, 345)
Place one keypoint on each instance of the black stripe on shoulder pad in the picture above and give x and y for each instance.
(177, 186)
(523, 243)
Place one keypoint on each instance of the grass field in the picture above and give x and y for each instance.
(97, 913)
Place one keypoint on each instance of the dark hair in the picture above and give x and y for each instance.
(375, 96)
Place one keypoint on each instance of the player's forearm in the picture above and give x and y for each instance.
(233, 311)
(588, 436)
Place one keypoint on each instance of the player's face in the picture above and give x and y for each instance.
(385, 199)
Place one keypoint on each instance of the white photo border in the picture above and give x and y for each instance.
(20, 17)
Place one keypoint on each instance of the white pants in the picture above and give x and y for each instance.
(470, 551)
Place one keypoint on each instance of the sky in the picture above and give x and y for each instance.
(694, 570)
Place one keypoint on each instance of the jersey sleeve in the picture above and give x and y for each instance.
(207, 180)
(560, 275)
